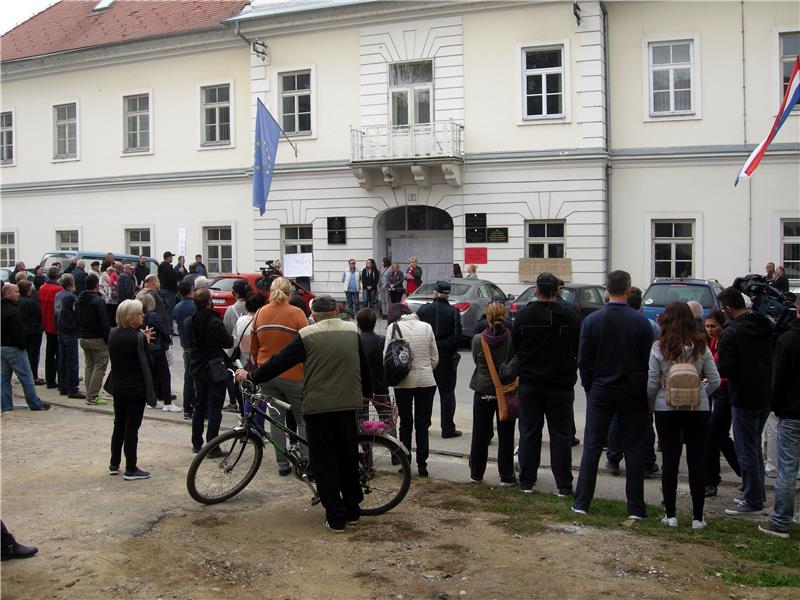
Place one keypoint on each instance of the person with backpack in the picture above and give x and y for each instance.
(681, 376)
(414, 392)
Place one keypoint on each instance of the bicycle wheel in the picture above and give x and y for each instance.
(384, 472)
(224, 467)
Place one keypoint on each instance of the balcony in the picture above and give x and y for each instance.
(387, 150)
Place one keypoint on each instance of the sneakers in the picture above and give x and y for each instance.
(771, 529)
(113, 470)
(135, 474)
(172, 408)
(507, 483)
(526, 488)
(635, 518)
(711, 491)
(743, 509)
(44, 406)
(564, 492)
(699, 524)
(352, 517)
(473, 480)
(669, 521)
(334, 528)
(578, 511)
(159, 404)
(96, 401)
(612, 467)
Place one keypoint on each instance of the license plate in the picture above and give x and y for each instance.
(217, 301)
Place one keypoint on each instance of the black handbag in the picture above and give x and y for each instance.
(218, 370)
(108, 386)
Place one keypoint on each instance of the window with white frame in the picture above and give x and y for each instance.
(218, 248)
(790, 242)
(67, 240)
(216, 115)
(296, 102)
(297, 239)
(411, 93)
(790, 50)
(671, 69)
(673, 248)
(137, 123)
(8, 248)
(7, 137)
(545, 239)
(137, 242)
(543, 82)
(65, 131)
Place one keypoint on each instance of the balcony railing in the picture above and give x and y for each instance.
(430, 140)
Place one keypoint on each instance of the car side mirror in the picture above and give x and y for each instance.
(510, 296)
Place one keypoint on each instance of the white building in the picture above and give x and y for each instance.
(605, 134)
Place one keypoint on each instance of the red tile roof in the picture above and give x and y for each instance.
(71, 24)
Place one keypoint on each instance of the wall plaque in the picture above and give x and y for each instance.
(497, 234)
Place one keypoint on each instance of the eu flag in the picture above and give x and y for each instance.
(266, 147)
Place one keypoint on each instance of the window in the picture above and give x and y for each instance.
(673, 248)
(790, 238)
(216, 115)
(297, 239)
(137, 123)
(65, 134)
(8, 248)
(296, 102)
(411, 93)
(137, 242)
(790, 49)
(671, 67)
(545, 239)
(543, 82)
(218, 248)
(67, 240)
(7, 138)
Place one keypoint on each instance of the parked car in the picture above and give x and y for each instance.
(469, 296)
(65, 256)
(585, 298)
(221, 289)
(5, 275)
(665, 290)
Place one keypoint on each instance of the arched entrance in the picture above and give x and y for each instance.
(422, 231)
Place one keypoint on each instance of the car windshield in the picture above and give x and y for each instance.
(529, 295)
(224, 284)
(662, 294)
(456, 289)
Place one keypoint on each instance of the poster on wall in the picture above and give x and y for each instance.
(298, 265)
(475, 256)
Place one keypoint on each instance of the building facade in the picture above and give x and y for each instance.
(519, 136)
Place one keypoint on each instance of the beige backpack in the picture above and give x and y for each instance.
(682, 385)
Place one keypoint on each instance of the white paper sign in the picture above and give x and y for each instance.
(298, 265)
(181, 241)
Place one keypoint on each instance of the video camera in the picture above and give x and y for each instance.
(778, 306)
(269, 272)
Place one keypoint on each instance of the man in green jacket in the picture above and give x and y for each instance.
(337, 379)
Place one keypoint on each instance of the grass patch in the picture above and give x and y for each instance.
(737, 538)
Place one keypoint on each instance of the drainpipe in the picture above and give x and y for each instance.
(607, 138)
(240, 34)
(749, 183)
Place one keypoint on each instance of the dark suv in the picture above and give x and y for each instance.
(664, 290)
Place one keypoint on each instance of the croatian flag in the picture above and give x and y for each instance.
(268, 133)
(789, 101)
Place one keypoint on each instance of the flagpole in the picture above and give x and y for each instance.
(288, 139)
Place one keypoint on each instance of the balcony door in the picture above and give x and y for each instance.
(411, 107)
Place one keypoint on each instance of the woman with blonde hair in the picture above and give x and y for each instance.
(484, 407)
(274, 327)
(413, 276)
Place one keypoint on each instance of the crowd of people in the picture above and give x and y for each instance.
(691, 377)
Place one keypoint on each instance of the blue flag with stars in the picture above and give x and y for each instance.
(266, 147)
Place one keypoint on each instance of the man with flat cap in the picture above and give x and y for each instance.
(445, 320)
(337, 378)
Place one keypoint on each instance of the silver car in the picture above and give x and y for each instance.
(469, 296)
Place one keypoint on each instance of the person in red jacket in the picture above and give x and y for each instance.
(47, 300)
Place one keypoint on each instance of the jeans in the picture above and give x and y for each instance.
(128, 413)
(68, 363)
(484, 413)
(209, 397)
(536, 404)
(51, 359)
(415, 405)
(34, 343)
(601, 406)
(188, 383)
(169, 299)
(95, 354)
(445, 376)
(674, 427)
(15, 361)
(771, 441)
(370, 297)
(719, 438)
(290, 392)
(748, 425)
(352, 302)
(788, 464)
(614, 453)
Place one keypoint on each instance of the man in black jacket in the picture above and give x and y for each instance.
(31, 313)
(373, 344)
(141, 271)
(445, 320)
(93, 330)
(13, 355)
(67, 325)
(126, 286)
(169, 286)
(613, 357)
(545, 338)
(745, 358)
(786, 406)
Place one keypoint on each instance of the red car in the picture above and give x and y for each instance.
(222, 296)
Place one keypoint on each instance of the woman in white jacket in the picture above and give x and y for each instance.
(414, 394)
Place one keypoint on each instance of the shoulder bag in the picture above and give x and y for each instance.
(507, 395)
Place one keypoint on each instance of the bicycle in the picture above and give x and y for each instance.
(228, 463)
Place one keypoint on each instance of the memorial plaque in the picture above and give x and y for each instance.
(497, 234)
(476, 235)
(337, 230)
(475, 220)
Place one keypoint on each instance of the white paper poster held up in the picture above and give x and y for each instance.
(298, 265)
(181, 241)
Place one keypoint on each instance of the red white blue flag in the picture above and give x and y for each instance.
(790, 99)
